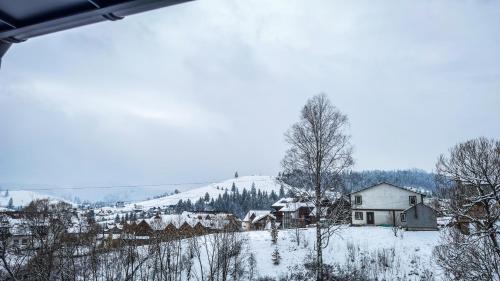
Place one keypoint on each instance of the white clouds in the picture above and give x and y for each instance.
(210, 86)
(122, 105)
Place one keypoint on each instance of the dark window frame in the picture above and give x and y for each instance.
(402, 217)
(414, 197)
(358, 202)
(358, 216)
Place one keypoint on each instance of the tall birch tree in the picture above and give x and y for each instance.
(320, 149)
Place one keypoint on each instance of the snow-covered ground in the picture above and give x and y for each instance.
(412, 252)
(22, 198)
(264, 183)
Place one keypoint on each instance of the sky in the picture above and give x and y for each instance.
(196, 91)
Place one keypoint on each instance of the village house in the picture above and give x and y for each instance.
(295, 212)
(258, 220)
(387, 205)
(292, 212)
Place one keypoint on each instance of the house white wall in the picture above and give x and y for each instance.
(381, 217)
(382, 200)
(384, 196)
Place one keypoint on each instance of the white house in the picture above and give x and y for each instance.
(382, 204)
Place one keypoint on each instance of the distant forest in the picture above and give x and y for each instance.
(356, 180)
(235, 201)
(413, 177)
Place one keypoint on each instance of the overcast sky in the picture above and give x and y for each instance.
(196, 91)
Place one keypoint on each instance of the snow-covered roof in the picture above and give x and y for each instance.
(412, 189)
(258, 218)
(257, 213)
(292, 207)
(283, 201)
(209, 220)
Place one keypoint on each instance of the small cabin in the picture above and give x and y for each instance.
(419, 217)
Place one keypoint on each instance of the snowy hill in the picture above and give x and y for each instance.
(22, 198)
(262, 183)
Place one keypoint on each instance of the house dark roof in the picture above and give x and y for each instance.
(404, 188)
(24, 19)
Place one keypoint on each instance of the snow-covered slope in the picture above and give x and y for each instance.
(24, 197)
(407, 255)
(264, 183)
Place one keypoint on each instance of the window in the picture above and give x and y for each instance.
(358, 200)
(403, 217)
(413, 200)
(24, 242)
(358, 215)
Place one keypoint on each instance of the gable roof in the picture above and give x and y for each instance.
(261, 217)
(257, 213)
(293, 207)
(283, 201)
(421, 203)
(393, 185)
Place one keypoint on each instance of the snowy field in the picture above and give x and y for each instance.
(21, 198)
(412, 252)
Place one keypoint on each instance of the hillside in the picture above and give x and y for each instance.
(262, 183)
(21, 198)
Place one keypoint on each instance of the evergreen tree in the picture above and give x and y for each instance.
(275, 256)
(236, 174)
(207, 197)
(11, 204)
(282, 192)
(117, 218)
(274, 232)
(90, 217)
(233, 187)
(6, 193)
(200, 205)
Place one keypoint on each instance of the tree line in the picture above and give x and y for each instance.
(353, 180)
(233, 201)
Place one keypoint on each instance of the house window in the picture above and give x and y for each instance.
(358, 215)
(358, 200)
(403, 217)
(413, 200)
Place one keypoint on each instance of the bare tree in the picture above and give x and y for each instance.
(472, 169)
(320, 149)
